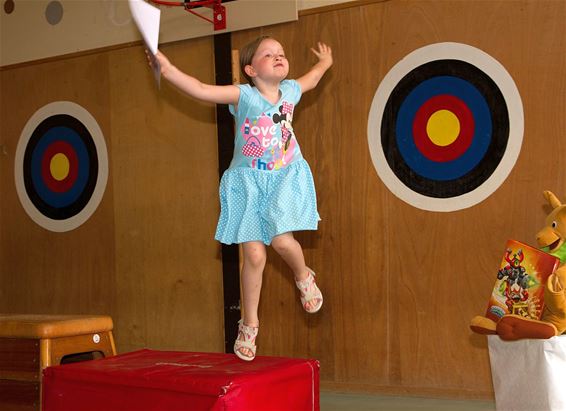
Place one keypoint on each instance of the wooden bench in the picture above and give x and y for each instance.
(30, 343)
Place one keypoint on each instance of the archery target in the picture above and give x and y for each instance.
(445, 127)
(61, 166)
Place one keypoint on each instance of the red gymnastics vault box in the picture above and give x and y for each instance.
(173, 381)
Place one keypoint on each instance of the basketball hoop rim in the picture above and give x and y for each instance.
(218, 10)
(187, 5)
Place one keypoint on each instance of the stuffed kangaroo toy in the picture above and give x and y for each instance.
(552, 239)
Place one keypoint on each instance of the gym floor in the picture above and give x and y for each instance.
(330, 401)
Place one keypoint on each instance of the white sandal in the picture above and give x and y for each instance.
(309, 292)
(246, 339)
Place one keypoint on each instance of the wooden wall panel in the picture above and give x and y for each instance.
(285, 329)
(147, 256)
(401, 284)
(44, 271)
(165, 160)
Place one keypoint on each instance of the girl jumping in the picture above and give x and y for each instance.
(268, 192)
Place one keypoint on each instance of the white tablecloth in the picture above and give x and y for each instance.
(529, 375)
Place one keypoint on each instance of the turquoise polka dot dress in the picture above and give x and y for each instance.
(268, 189)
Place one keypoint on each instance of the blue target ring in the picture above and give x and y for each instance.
(60, 206)
(477, 164)
(468, 93)
(51, 198)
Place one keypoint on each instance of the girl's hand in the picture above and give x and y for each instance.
(309, 80)
(324, 54)
(163, 61)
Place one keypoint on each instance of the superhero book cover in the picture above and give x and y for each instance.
(521, 279)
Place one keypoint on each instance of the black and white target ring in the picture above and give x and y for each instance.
(61, 166)
(445, 127)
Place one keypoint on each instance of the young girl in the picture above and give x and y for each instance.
(268, 190)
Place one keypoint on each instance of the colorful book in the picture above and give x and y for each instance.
(521, 279)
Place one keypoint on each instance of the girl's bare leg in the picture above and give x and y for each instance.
(252, 274)
(290, 250)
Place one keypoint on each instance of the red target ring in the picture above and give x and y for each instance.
(66, 151)
(463, 140)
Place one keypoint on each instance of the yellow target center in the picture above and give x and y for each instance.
(59, 166)
(443, 127)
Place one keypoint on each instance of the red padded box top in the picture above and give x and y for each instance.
(158, 380)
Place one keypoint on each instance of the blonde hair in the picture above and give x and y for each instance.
(247, 54)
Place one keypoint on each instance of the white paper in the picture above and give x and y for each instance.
(147, 19)
(528, 375)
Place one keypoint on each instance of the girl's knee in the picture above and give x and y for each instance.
(283, 243)
(255, 256)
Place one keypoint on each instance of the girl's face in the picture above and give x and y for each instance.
(269, 62)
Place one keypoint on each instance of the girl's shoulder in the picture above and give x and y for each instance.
(246, 88)
(249, 97)
(289, 83)
(291, 86)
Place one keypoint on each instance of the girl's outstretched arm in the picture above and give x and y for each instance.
(194, 87)
(313, 76)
